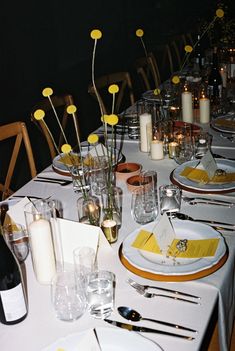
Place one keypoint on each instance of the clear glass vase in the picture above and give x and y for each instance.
(112, 204)
(89, 209)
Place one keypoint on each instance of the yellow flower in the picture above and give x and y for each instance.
(175, 79)
(39, 114)
(112, 120)
(156, 91)
(188, 48)
(47, 92)
(66, 148)
(113, 89)
(96, 34)
(92, 138)
(220, 13)
(139, 33)
(71, 109)
(104, 118)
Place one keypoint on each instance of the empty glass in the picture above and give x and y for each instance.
(170, 198)
(84, 263)
(202, 144)
(68, 296)
(97, 173)
(100, 294)
(144, 206)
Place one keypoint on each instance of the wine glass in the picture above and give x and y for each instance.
(17, 240)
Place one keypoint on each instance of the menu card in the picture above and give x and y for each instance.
(209, 164)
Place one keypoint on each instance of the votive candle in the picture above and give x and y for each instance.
(173, 149)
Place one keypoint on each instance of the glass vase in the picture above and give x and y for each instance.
(112, 204)
(89, 209)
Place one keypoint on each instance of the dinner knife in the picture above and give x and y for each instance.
(135, 328)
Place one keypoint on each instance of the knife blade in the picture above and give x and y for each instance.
(135, 328)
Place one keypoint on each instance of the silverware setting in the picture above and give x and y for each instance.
(215, 224)
(207, 201)
(143, 288)
(62, 182)
(134, 316)
(141, 329)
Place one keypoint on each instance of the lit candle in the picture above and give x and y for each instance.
(223, 73)
(187, 107)
(42, 250)
(110, 229)
(204, 106)
(145, 125)
(173, 149)
(156, 150)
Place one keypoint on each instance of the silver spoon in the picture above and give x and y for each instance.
(134, 316)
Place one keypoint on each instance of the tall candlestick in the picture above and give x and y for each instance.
(42, 250)
(145, 123)
(204, 106)
(156, 150)
(187, 107)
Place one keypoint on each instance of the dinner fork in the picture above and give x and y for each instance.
(143, 288)
(206, 201)
(151, 295)
(53, 181)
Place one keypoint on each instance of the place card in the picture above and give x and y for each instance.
(164, 233)
(88, 342)
(15, 213)
(209, 164)
(71, 234)
(98, 150)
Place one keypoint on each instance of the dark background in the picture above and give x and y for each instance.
(47, 43)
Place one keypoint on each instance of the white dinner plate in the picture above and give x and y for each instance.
(111, 339)
(155, 263)
(226, 128)
(226, 165)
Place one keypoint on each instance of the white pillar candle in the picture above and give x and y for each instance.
(145, 123)
(187, 107)
(42, 250)
(156, 150)
(204, 107)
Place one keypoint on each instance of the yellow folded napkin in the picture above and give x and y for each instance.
(69, 160)
(201, 176)
(195, 248)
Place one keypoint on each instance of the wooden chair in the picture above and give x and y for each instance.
(60, 104)
(19, 131)
(148, 71)
(125, 96)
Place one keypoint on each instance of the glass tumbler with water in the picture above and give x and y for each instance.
(170, 198)
(100, 294)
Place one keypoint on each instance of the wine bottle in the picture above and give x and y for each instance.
(13, 306)
(214, 79)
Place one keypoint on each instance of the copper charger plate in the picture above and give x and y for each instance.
(171, 278)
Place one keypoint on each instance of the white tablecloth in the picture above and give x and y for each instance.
(41, 327)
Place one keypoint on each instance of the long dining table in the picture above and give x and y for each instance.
(217, 290)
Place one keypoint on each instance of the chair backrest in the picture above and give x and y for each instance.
(60, 104)
(125, 96)
(19, 131)
(148, 71)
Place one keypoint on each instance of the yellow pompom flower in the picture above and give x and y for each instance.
(175, 79)
(66, 148)
(220, 13)
(39, 114)
(92, 138)
(112, 120)
(47, 92)
(113, 89)
(156, 91)
(71, 109)
(96, 34)
(139, 33)
(188, 48)
(104, 118)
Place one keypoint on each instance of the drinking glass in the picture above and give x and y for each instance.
(202, 144)
(68, 296)
(79, 177)
(97, 173)
(84, 263)
(100, 294)
(170, 198)
(144, 206)
(17, 240)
